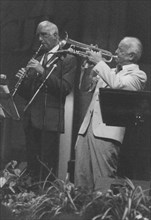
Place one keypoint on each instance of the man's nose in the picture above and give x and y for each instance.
(40, 38)
(116, 52)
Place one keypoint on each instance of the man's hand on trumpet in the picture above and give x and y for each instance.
(94, 57)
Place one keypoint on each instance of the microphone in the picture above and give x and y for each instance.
(62, 43)
(61, 52)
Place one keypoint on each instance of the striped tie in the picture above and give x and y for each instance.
(45, 60)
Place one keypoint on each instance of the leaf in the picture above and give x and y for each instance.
(2, 181)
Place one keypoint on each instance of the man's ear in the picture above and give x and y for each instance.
(132, 56)
(55, 35)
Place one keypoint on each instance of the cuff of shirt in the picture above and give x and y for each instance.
(99, 67)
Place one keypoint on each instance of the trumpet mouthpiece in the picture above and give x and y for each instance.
(115, 56)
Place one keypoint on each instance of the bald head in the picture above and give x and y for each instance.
(49, 26)
(48, 34)
(134, 46)
(129, 51)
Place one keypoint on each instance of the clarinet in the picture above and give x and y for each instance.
(23, 76)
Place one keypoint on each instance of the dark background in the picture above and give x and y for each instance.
(103, 23)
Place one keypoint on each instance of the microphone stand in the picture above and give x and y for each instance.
(41, 85)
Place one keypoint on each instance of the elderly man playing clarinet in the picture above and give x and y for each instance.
(44, 118)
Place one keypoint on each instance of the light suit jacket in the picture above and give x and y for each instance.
(129, 78)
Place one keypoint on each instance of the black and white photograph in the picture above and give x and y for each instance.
(75, 109)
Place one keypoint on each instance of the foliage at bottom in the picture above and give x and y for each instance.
(60, 200)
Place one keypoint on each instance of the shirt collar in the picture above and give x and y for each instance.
(129, 66)
(54, 49)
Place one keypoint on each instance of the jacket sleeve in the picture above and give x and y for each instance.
(134, 80)
(25, 89)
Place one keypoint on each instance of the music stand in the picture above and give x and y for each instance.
(125, 108)
(7, 106)
(131, 109)
(8, 110)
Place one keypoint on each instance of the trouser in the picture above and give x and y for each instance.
(96, 161)
(42, 152)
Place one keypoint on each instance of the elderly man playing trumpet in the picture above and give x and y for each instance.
(98, 145)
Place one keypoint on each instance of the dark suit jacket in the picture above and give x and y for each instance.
(47, 109)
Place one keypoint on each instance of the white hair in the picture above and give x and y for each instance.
(49, 26)
(134, 46)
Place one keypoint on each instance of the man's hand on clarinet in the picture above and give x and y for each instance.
(36, 65)
(21, 73)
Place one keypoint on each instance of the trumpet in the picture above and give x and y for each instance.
(23, 76)
(81, 49)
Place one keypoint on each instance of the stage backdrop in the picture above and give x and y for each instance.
(92, 22)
